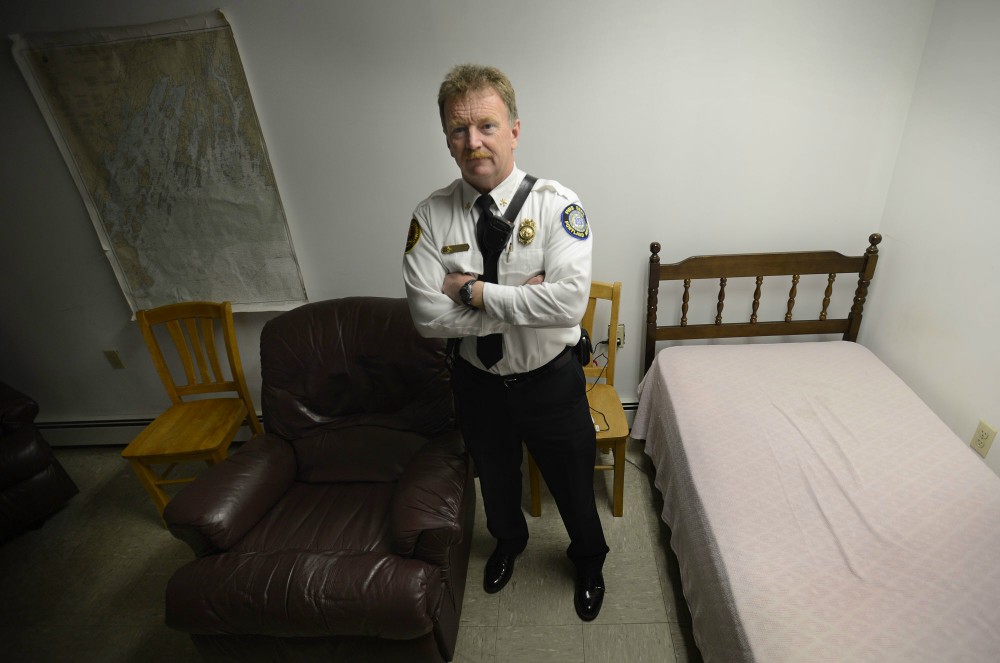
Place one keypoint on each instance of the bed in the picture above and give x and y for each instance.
(819, 511)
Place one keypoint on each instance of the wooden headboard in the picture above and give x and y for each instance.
(759, 265)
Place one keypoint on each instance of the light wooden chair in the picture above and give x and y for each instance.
(605, 405)
(195, 428)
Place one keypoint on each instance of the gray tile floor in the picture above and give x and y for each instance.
(644, 618)
(88, 585)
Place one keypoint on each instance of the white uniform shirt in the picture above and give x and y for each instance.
(537, 321)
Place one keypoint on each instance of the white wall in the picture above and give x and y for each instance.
(937, 314)
(719, 126)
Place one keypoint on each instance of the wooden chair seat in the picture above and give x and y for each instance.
(189, 432)
(604, 400)
(194, 427)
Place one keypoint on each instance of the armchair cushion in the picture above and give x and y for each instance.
(325, 516)
(364, 453)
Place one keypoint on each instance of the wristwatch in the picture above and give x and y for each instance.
(465, 293)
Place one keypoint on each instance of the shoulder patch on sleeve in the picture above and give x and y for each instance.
(574, 222)
(413, 236)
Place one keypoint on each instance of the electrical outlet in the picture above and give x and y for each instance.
(620, 339)
(114, 359)
(982, 440)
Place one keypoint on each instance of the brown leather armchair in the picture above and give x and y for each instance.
(33, 484)
(343, 532)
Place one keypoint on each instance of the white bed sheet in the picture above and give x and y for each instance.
(819, 510)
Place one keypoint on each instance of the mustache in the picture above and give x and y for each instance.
(477, 154)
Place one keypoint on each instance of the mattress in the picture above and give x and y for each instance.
(819, 510)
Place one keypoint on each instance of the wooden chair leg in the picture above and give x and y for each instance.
(216, 457)
(148, 479)
(618, 503)
(535, 482)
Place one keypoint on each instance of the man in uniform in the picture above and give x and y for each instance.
(513, 292)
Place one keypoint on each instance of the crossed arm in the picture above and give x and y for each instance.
(454, 281)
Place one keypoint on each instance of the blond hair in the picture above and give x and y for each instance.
(466, 78)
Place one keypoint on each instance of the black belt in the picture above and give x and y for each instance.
(514, 379)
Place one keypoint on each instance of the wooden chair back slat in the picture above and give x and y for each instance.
(196, 344)
(176, 330)
(208, 332)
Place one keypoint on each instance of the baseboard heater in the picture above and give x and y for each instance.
(101, 432)
(111, 432)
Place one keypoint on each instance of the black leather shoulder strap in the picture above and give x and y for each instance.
(519, 197)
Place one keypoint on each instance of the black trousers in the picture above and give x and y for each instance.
(550, 414)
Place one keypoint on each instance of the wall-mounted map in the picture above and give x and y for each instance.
(159, 130)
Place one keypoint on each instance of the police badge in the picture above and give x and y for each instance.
(526, 233)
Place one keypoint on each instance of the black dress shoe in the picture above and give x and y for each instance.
(589, 596)
(499, 569)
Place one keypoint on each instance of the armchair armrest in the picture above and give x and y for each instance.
(302, 593)
(426, 512)
(16, 409)
(224, 502)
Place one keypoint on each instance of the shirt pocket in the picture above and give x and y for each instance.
(519, 265)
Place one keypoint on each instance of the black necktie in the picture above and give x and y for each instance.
(489, 348)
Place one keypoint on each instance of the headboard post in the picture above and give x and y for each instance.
(653, 293)
(861, 293)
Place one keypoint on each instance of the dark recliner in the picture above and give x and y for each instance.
(343, 532)
(33, 484)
